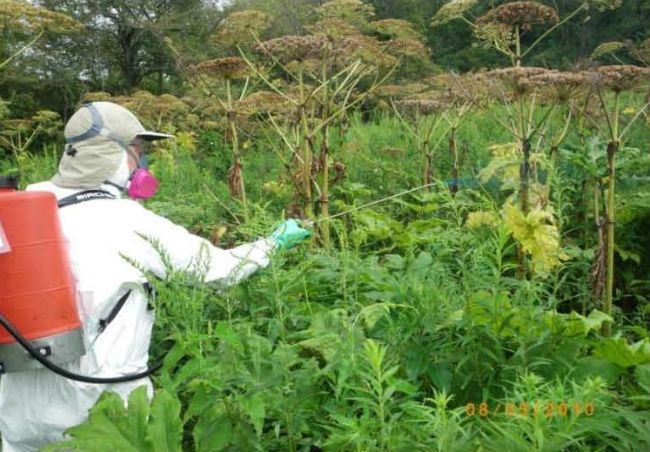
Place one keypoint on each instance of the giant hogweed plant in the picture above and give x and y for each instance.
(227, 71)
(24, 19)
(447, 102)
(330, 72)
(505, 28)
(614, 81)
(422, 118)
(223, 83)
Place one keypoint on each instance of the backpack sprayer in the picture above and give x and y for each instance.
(39, 321)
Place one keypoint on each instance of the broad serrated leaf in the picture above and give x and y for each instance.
(108, 427)
(256, 410)
(165, 428)
(619, 352)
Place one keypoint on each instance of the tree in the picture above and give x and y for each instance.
(130, 36)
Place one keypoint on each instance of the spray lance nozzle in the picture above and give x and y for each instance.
(307, 223)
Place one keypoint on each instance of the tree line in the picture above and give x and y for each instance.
(123, 46)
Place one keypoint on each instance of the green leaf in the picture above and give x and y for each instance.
(137, 415)
(618, 351)
(212, 433)
(441, 376)
(405, 387)
(109, 426)
(373, 313)
(591, 366)
(576, 324)
(165, 428)
(225, 332)
(256, 410)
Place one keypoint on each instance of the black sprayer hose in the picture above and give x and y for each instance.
(66, 373)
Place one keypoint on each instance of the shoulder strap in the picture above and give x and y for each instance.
(87, 195)
(103, 323)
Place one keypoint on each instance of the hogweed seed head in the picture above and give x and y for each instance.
(520, 14)
(21, 15)
(262, 102)
(241, 28)
(452, 10)
(96, 96)
(411, 48)
(395, 29)
(229, 68)
(364, 48)
(295, 48)
(608, 48)
(603, 5)
(312, 65)
(421, 106)
(469, 88)
(642, 52)
(334, 29)
(354, 12)
(619, 78)
(558, 85)
(390, 91)
(520, 80)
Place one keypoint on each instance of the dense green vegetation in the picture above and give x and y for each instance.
(504, 306)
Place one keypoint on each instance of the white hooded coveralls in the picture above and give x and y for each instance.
(37, 406)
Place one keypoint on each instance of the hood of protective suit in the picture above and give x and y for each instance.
(97, 137)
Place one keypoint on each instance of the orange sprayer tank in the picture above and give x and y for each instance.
(37, 292)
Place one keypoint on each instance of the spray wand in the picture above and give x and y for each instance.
(310, 223)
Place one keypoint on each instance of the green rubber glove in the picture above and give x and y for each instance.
(289, 234)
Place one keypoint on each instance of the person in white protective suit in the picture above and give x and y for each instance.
(104, 154)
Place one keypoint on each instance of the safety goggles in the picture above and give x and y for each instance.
(139, 149)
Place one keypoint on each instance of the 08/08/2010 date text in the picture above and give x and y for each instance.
(537, 408)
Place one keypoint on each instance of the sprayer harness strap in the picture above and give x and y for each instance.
(83, 196)
(103, 323)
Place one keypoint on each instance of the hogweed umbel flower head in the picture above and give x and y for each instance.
(520, 14)
(241, 28)
(619, 78)
(421, 106)
(521, 80)
(395, 29)
(228, 68)
(334, 29)
(295, 48)
(642, 52)
(560, 86)
(452, 10)
(354, 12)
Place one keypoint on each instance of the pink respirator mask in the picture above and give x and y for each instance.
(142, 184)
